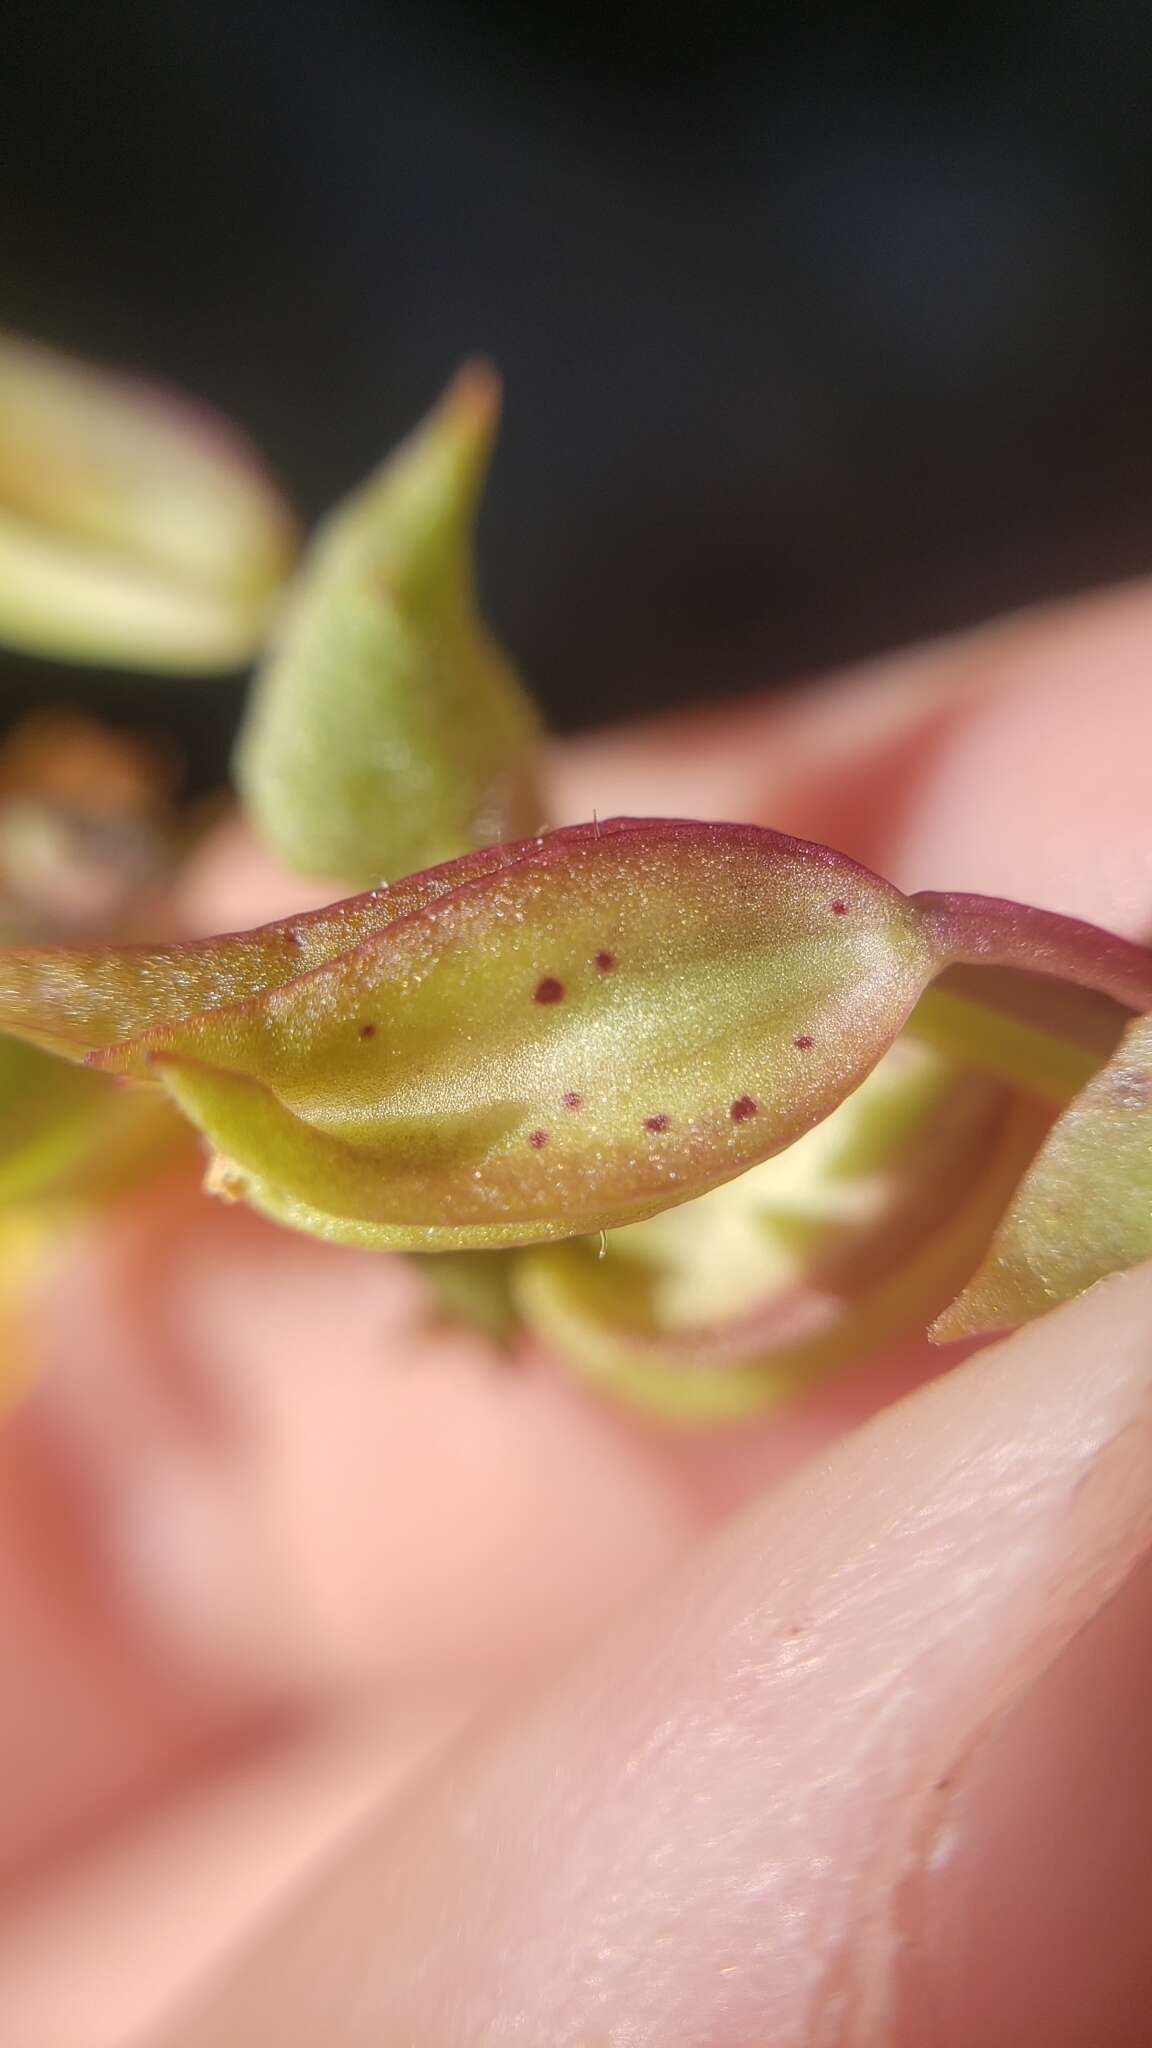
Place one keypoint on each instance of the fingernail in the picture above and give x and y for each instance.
(1027, 1920)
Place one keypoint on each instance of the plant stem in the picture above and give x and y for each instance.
(988, 931)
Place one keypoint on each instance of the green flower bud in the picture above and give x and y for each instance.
(387, 730)
(583, 1030)
(609, 1021)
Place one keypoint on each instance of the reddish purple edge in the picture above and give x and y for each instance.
(470, 868)
(993, 931)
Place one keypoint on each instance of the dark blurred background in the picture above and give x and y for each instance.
(823, 327)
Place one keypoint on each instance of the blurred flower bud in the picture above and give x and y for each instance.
(136, 528)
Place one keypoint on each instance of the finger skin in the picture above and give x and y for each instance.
(146, 1911)
(715, 1833)
(1008, 761)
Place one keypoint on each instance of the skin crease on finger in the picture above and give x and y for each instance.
(724, 1829)
(849, 765)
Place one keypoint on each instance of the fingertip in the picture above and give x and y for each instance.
(704, 1834)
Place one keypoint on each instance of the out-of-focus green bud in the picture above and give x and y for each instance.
(1083, 1209)
(136, 528)
(852, 1237)
(387, 730)
(603, 1023)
